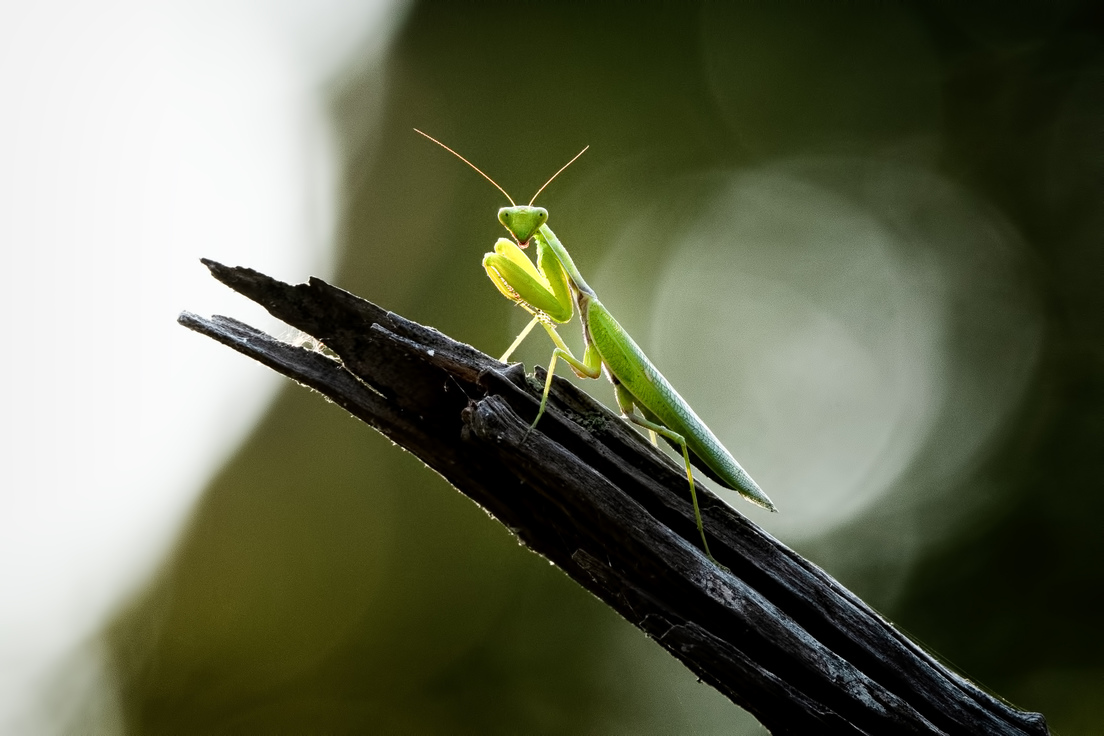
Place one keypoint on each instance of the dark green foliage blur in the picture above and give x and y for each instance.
(329, 582)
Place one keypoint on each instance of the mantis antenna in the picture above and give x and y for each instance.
(492, 181)
(577, 155)
(479, 170)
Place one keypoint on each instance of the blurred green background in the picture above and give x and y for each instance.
(863, 239)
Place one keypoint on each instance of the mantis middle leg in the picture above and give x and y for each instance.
(589, 367)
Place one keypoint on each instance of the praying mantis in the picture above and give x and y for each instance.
(550, 290)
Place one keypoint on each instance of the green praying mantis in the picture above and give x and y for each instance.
(550, 291)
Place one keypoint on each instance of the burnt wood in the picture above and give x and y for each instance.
(772, 631)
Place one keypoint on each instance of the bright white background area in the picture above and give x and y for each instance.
(135, 138)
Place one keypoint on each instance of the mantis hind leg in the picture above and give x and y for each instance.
(627, 404)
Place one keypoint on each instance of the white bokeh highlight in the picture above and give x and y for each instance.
(137, 137)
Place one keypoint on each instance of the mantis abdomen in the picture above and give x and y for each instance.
(628, 366)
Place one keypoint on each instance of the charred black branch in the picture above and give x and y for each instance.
(774, 633)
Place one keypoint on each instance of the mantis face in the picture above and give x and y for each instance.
(522, 221)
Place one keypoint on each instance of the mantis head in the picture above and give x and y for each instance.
(522, 221)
